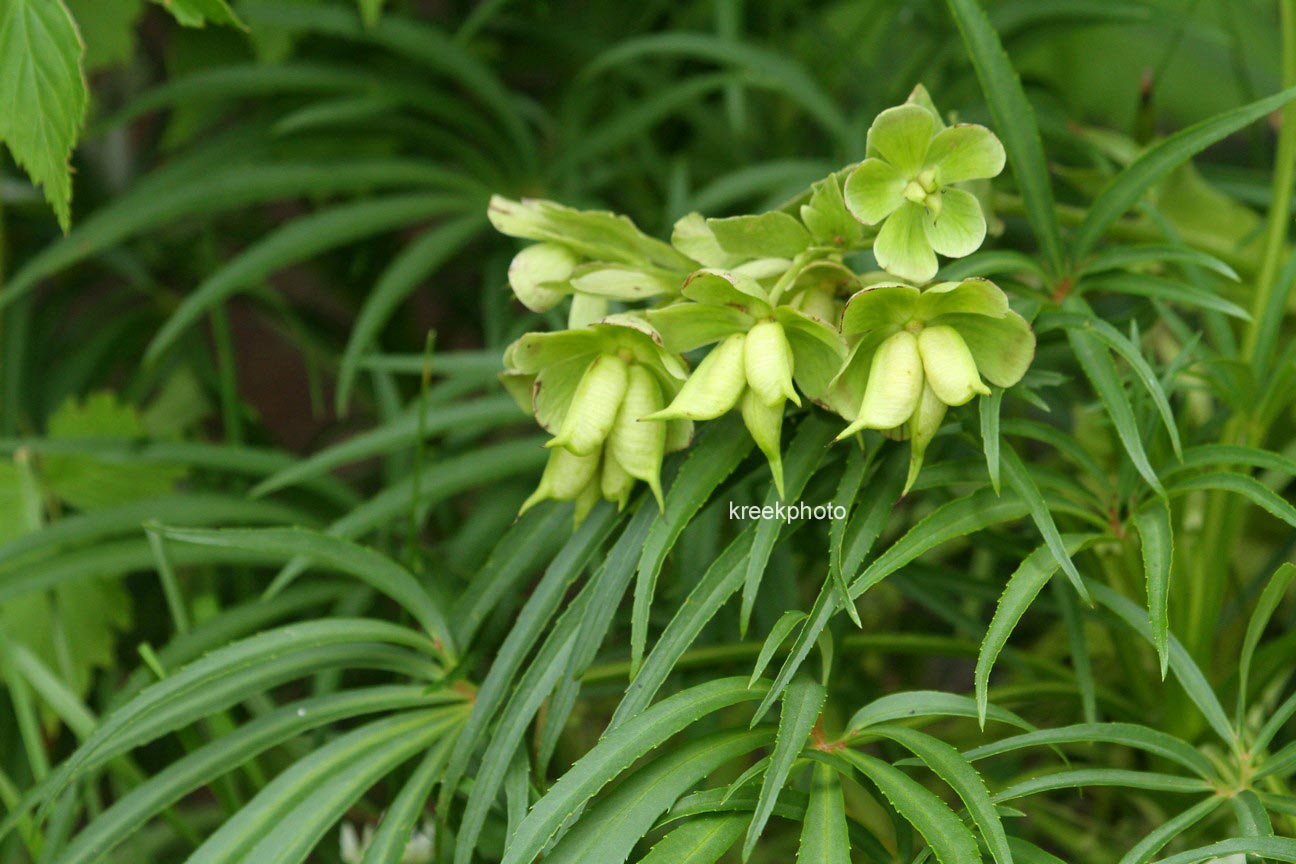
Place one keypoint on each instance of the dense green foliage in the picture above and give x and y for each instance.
(265, 592)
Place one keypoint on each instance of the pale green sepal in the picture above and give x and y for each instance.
(765, 423)
(594, 406)
(535, 271)
(767, 359)
(948, 365)
(714, 386)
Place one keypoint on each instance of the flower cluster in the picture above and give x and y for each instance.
(771, 306)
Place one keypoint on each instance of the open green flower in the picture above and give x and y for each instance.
(906, 184)
(915, 353)
(592, 388)
(760, 350)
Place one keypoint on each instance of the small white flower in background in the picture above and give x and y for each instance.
(419, 849)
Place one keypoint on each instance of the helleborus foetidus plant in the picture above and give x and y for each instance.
(914, 353)
(591, 388)
(906, 183)
(763, 293)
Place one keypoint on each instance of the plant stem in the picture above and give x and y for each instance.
(1224, 522)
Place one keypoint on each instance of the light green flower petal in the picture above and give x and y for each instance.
(714, 386)
(894, 387)
(1003, 347)
(688, 325)
(902, 247)
(973, 296)
(901, 136)
(959, 227)
(923, 426)
(966, 152)
(767, 357)
(948, 365)
(765, 423)
(874, 190)
(886, 304)
(594, 406)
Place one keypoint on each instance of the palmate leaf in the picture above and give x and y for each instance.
(43, 93)
(618, 749)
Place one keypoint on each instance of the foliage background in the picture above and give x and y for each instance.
(268, 219)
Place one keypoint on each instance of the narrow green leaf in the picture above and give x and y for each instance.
(950, 765)
(1130, 353)
(1272, 595)
(801, 706)
(616, 750)
(1187, 672)
(700, 840)
(610, 830)
(1023, 587)
(406, 271)
(1240, 484)
(1101, 372)
(824, 837)
(991, 443)
(130, 812)
(296, 241)
(1161, 288)
(370, 567)
(1023, 484)
(915, 704)
(949, 839)
(709, 463)
(393, 834)
(957, 518)
(196, 13)
(1124, 191)
(286, 819)
(1081, 778)
(1130, 735)
(1015, 123)
(1162, 835)
(1156, 537)
(1121, 257)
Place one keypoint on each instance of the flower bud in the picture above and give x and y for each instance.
(713, 387)
(894, 386)
(767, 358)
(565, 477)
(949, 366)
(636, 443)
(593, 407)
(614, 482)
(923, 426)
(765, 423)
(535, 266)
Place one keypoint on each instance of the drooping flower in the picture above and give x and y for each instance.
(592, 388)
(907, 184)
(915, 353)
(760, 351)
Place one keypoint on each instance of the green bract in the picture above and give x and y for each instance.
(592, 388)
(913, 353)
(906, 183)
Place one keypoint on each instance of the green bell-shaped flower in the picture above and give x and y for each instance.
(763, 353)
(915, 353)
(906, 183)
(593, 388)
